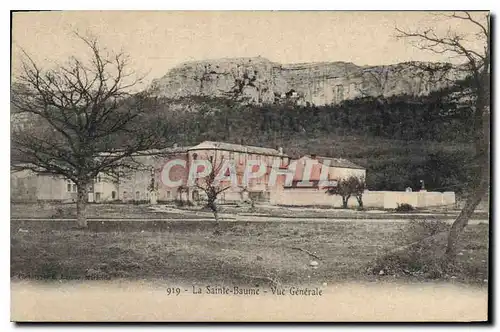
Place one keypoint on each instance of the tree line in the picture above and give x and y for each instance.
(411, 138)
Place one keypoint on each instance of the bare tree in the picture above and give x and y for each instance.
(475, 53)
(84, 118)
(212, 186)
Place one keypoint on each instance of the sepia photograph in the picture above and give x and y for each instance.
(250, 166)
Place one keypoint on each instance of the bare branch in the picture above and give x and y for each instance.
(469, 18)
(84, 119)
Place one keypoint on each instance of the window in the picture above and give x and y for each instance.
(70, 186)
(137, 195)
(168, 194)
(113, 195)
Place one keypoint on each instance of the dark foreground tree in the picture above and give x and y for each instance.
(348, 187)
(84, 119)
(474, 49)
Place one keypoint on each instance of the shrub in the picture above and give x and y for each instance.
(420, 259)
(404, 207)
(422, 249)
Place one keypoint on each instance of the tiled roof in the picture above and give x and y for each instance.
(163, 151)
(336, 162)
(235, 147)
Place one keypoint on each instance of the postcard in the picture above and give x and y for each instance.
(250, 166)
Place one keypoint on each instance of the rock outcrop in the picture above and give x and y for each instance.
(263, 81)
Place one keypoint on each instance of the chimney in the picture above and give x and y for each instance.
(280, 149)
(175, 145)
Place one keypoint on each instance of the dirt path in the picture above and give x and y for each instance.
(149, 301)
(238, 218)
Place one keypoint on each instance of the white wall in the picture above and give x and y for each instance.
(373, 199)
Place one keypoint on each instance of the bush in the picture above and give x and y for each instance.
(422, 260)
(404, 207)
(421, 257)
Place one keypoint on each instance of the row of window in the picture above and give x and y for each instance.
(72, 188)
(240, 158)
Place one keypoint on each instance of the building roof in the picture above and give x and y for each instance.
(335, 162)
(164, 151)
(209, 145)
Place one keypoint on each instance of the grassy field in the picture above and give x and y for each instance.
(245, 252)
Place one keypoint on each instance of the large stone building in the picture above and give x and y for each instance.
(257, 174)
(147, 182)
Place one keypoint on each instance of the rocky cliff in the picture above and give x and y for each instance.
(263, 81)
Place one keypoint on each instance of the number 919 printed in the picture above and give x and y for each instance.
(173, 291)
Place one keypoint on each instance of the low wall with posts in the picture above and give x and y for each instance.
(371, 199)
(417, 199)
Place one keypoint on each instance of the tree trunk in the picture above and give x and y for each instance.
(463, 218)
(81, 204)
(216, 216)
(344, 202)
(481, 185)
(360, 200)
(213, 207)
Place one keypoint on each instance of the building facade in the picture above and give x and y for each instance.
(247, 173)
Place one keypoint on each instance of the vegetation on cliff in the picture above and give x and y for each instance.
(400, 140)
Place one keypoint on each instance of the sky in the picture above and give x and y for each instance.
(159, 40)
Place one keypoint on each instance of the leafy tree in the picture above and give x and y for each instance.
(351, 186)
